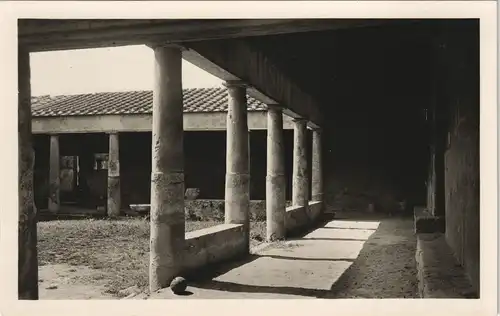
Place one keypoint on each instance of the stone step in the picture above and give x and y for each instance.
(439, 273)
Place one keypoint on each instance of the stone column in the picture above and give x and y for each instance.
(237, 191)
(54, 203)
(300, 186)
(167, 174)
(317, 167)
(27, 230)
(275, 178)
(114, 194)
(438, 149)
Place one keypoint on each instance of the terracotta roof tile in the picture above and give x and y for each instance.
(131, 102)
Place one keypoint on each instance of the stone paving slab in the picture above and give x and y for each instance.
(305, 267)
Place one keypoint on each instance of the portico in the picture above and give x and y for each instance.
(254, 59)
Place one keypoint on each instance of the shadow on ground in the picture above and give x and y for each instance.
(381, 265)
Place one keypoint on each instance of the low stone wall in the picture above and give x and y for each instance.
(213, 245)
(227, 241)
(439, 273)
(315, 208)
(299, 217)
(207, 210)
(424, 222)
(213, 210)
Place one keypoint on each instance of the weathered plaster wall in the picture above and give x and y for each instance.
(460, 95)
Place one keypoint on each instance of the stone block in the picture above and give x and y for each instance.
(439, 273)
(424, 222)
(213, 245)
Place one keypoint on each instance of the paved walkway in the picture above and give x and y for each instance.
(345, 258)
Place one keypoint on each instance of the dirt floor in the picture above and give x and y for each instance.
(355, 257)
(385, 267)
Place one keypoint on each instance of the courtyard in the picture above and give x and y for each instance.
(357, 255)
(349, 170)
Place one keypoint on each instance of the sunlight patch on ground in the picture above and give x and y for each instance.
(291, 275)
(344, 233)
(353, 224)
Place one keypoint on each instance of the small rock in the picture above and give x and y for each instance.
(52, 287)
(134, 289)
(130, 296)
(178, 285)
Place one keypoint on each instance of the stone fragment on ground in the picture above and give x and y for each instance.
(132, 290)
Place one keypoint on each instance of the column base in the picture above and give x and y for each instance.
(275, 207)
(114, 197)
(237, 198)
(54, 204)
(237, 203)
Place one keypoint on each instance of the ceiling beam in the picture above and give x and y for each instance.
(45, 35)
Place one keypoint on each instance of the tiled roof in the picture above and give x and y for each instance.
(132, 102)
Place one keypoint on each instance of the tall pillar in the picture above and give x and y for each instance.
(27, 230)
(114, 194)
(54, 202)
(300, 185)
(237, 186)
(438, 148)
(317, 167)
(275, 178)
(167, 174)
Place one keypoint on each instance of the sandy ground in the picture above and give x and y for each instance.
(346, 258)
(61, 281)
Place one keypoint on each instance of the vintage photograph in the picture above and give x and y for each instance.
(249, 158)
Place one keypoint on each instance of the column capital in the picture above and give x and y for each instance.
(299, 120)
(317, 129)
(113, 133)
(235, 83)
(155, 45)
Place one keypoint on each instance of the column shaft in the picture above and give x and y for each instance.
(300, 178)
(167, 176)
(317, 167)
(237, 186)
(114, 194)
(54, 202)
(27, 230)
(275, 178)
